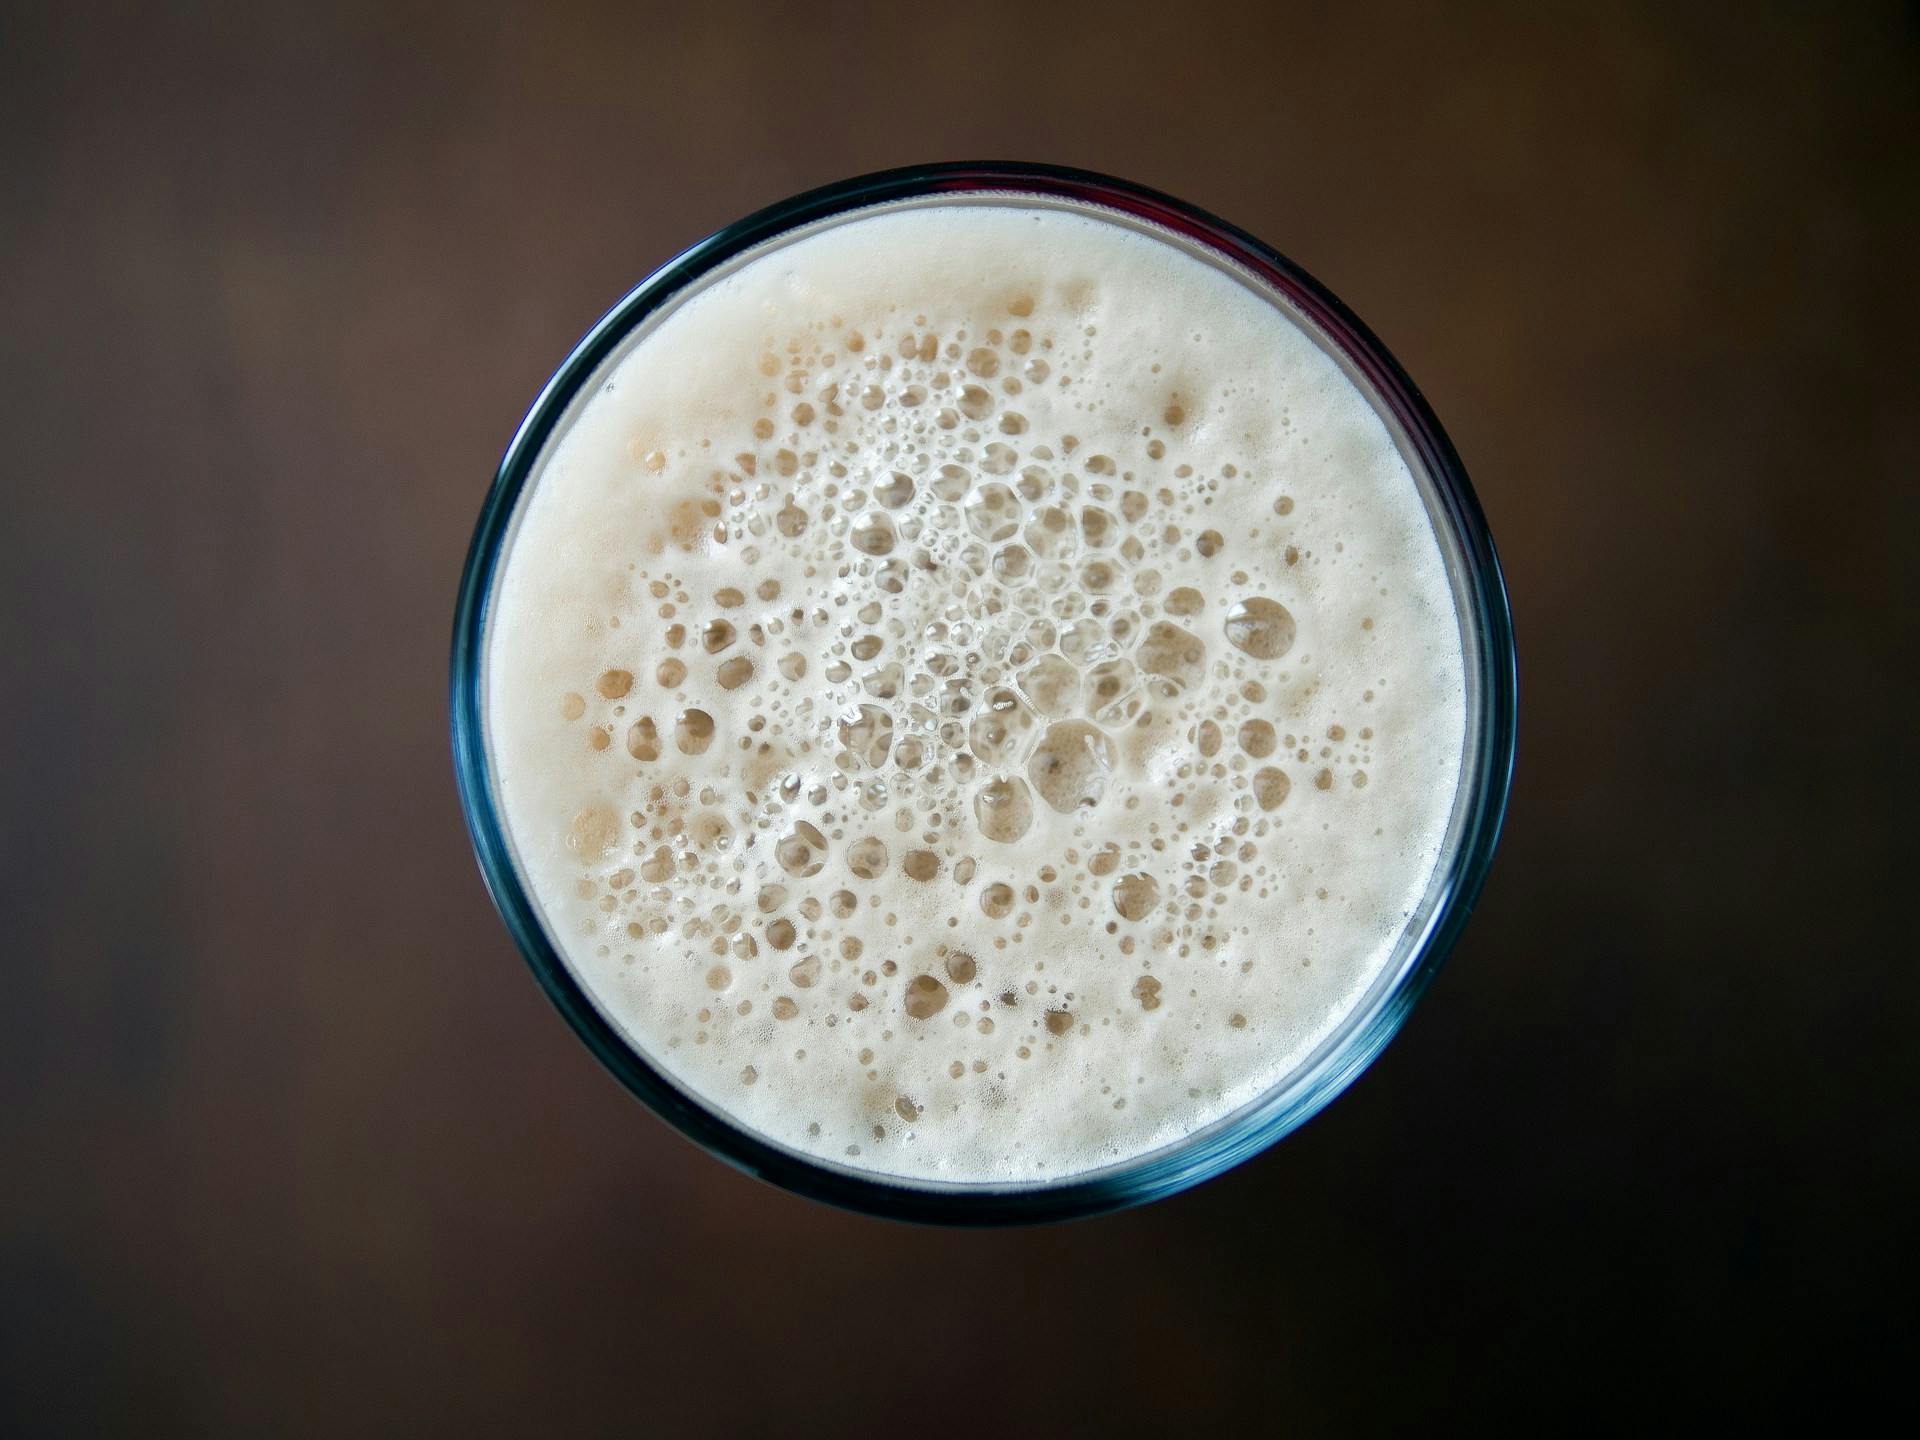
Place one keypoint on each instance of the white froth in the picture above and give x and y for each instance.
(1254, 810)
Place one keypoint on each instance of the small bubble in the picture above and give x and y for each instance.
(1135, 895)
(925, 997)
(1270, 786)
(1003, 809)
(997, 900)
(868, 858)
(643, 740)
(1257, 738)
(1261, 628)
(693, 732)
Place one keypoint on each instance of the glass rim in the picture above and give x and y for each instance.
(1359, 1036)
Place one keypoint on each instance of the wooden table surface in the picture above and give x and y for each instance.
(290, 1142)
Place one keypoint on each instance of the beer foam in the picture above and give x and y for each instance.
(975, 693)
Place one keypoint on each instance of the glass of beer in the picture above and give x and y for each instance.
(983, 694)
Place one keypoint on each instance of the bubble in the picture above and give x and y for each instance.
(1324, 780)
(693, 732)
(643, 740)
(1257, 738)
(717, 636)
(920, 865)
(1175, 655)
(670, 672)
(1071, 764)
(906, 1109)
(998, 731)
(1098, 528)
(1135, 894)
(1147, 991)
(784, 1008)
(1184, 601)
(594, 832)
(1051, 684)
(961, 967)
(728, 598)
(734, 673)
(1110, 687)
(1207, 738)
(1003, 808)
(868, 858)
(572, 705)
(804, 973)
(614, 683)
(1097, 577)
(874, 534)
(867, 731)
(1105, 860)
(719, 977)
(802, 851)
(1270, 786)
(1260, 627)
(925, 997)
(793, 665)
(997, 900)
(1011, 562)
(781, 934)
(1050, 533)
(895, 492)
(1208, 543)
(993, 512)
(1059, 1022)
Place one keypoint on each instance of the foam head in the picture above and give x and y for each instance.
(975, 692)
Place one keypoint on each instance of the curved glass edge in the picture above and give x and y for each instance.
(1486, 772)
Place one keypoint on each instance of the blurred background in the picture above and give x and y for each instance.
(290, 1142)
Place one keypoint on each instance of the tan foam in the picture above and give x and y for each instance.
(975, 693)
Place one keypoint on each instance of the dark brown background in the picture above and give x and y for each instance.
(290, 1142)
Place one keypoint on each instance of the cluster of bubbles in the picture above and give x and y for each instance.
(951, 639)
